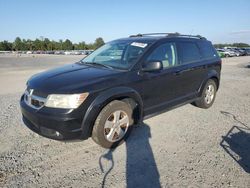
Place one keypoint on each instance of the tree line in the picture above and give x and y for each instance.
(45, 44)
(239, 45)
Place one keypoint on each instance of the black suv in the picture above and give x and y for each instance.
(120, 84)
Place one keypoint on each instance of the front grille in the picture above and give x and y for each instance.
(40, 94)
(33, 100)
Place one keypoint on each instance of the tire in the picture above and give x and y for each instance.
(113, 124)
(209, 91)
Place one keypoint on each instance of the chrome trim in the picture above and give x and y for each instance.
(30, 96)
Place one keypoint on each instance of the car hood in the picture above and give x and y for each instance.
(72, 78)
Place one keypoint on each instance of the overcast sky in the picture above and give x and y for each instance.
(78, 20)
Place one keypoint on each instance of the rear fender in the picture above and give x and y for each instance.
(211, 75)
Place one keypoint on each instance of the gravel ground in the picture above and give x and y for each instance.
(185, 147)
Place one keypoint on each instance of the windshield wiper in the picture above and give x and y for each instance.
(98, 64)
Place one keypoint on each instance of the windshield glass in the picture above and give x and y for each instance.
(117, 54)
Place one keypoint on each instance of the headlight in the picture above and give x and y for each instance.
(65, 101)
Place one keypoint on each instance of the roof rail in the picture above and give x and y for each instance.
(168, 35)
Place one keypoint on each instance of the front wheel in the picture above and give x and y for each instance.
(112, 125)
(208, 95)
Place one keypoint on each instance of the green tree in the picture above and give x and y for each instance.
(18, 44)
(61, 44)
(47, 44)
(24, 45)
(37, 44)
(98, 43)
(90, 46)
(30, 45)
(240, 45)
(80, 46)
(55, 45)
(67, 45)
(5, 46)
(2, 47)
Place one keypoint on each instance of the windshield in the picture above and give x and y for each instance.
(117, 54)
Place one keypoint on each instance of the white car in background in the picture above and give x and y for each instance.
(232, 53)
(226, 52)
(76, 52)
(68, 53)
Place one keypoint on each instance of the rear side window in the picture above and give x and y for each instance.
(207, 50)
(188, 52)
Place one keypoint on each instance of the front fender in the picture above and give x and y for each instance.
(102, 100)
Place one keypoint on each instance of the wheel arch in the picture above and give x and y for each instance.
(128, 95)
(216, 80)
(211, 75)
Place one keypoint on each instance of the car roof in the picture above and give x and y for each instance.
(140, 39)
(153, 37)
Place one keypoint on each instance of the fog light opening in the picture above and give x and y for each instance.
(57, 133)
(51, 133)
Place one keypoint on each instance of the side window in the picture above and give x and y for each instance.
(207, 50)
(165, 53)
(188, 52)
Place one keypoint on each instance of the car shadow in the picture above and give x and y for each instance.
(237, 143)
(141, 168)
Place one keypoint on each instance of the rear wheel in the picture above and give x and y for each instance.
(112, 125)
(208, 95)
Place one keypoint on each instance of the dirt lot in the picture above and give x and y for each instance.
(185, 147)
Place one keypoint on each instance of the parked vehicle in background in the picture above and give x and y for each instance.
(236, 52)
(50, 52)
(221, 54)
(68, 53)
(6, 52)
(241, 52)
(87, 52)
(227, 53)
(39, 52)
(232, 53)
(247, 51)
(120, 84)
(76, 53)
(59, 52)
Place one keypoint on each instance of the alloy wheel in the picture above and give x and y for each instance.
(116, 126)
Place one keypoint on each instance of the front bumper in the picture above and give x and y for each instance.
(56, 124)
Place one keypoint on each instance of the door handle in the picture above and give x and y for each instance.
(179, 72)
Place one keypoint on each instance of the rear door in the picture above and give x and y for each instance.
(192, 69)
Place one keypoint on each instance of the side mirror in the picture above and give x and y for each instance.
(152, 66)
